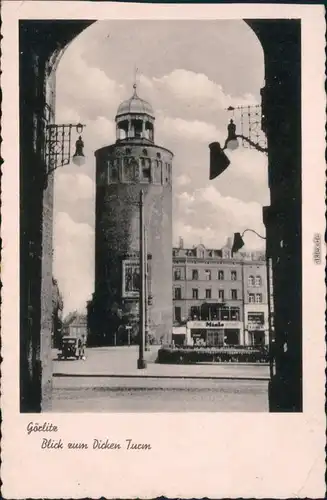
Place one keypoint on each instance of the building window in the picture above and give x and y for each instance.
(258, 298)
(251, 298)
(207, 275)
(178, 293)
(208, 293)
(201, 254)
(178, 314)
(113, 171)
(233, 275)
(235, 314)
(195, 274)
(158, 155)
(157, 172)
(195, 293)
(251, 281)
(220, 275)
(221, 294)
(233, 294)
(258, 281)
(195, 312)
(144, 152)
(177, 274)
(146, 169)
(225, 314)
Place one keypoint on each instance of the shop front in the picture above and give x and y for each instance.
(257, 328)
(215, 333)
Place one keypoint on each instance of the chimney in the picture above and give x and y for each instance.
(181, 242)
(229, 242)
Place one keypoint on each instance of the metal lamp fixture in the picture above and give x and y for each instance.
(58, 146)
(238, 242)
(219, 161)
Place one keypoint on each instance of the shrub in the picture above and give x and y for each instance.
(237, 354)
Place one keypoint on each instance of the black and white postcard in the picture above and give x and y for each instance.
(163, 186)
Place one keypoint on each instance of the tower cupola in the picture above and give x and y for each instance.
(135, 120)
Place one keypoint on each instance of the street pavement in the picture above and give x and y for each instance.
(109, 381)
(122, 361)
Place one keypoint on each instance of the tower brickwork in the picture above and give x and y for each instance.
(123, 169)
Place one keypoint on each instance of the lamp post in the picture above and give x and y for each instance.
(141, 363)
(146, 286)
(58, 143)
(238, 243)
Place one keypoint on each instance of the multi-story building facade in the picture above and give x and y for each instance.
(223, 297)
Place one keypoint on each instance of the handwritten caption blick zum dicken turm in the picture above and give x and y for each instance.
(52, 441)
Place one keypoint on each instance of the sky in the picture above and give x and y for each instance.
(190, 72)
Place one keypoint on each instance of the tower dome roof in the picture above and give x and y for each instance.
(135, 105)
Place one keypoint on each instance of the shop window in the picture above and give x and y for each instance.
(177, 293)
(235, 314)
(225, 314)
(233, 294)
(220, 275)
(233, 275)
(256, 318)
(195, 293)
(251, 298)
(208, 293)
(195, 312)
(251, 281)
(195, 274)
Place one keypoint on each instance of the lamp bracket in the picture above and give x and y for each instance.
(255, 145)
(58, 145)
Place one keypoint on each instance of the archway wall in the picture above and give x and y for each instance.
(41, 43)
(281, 109)
(40, 47)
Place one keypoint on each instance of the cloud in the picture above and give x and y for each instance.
(73, 261)
(75, 186)
(182, 180)
(195, 88)
(194, 130)
(86, 88)
(208, 216)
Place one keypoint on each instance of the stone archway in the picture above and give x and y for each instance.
(41, 45)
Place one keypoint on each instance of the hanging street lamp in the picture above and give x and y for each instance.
(58, 142)
(219, 161)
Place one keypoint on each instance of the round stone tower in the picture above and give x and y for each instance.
(132, 164)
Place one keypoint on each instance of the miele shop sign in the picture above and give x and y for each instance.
(214, 324)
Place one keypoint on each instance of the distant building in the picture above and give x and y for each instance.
(223, 298)
(75, 325)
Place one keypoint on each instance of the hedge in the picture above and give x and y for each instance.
(239, 354)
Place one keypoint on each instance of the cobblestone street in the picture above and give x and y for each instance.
(109, 381)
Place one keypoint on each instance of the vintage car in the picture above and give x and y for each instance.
(71, 347)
